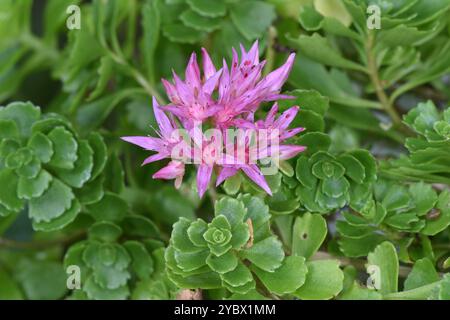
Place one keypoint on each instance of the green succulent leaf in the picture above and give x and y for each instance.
(60, 222)
(324, 280)
(224, 263)
(309, 232)
(207, 8)
(24, 114)
(53, 202)
(384, 259)
(65, 148)
(232, 209)
(267, 254)
(8, 197)
(142, 262)
(105, 232)
(252, 18)
(81, 172)
(110, 208)
(42, 147)
(423, 273)
(287, 278)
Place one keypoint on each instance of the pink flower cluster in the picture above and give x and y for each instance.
(224, 100)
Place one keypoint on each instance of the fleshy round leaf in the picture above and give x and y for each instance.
(384, 261)
(252, 18)
(178, 32)
(310, 230)
(424, 197)
(195, 20)
(207, 280)
(82, 169)
(42, 146)
(267, 254)
(257, 210)
(324, 280)
(100, 155)
(23, 113)
(440, 223)
(8, 196)
(233, 184)
(31, 169)
(180, 239)
(220, 222)
(65, 148)
(91, 192)
(96, 292)
(141, 260)
(188, 261)
(53, 202)
(110, 208)
(60, 222)
(239, 276)
(303, 172)
(353, 168)
(195, 232)
(105, 231)
(140, 226)
(7, 147)
(232, 209)
(208, 8)
(423, 273)
(9, 130)
(223, 264)
(287, 278)
(241, 235)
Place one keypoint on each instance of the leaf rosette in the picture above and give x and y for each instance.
(45, 164)
(329, 182)
(428, 158)
(392, 208)
(218, 254)
(112, 268)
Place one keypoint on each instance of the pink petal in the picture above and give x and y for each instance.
(253, 172)
(212, 110)
(275, 80)
(271, 115)
(155, 157)
(208, 67)
(224, 81)
(243, 124)
(171, 91)
(225, 173)
(203, 177)
(290, 151)
(234, 62)
(148, 143)
(180, 112)
(276, 96)
(290, 133)
(183, 89)
(193, 72)
(173, 170)
(163, 121)
(211, 83)
(286, 118)
(253, 54)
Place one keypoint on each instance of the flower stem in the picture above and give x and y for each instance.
(270, 52)
(139, 77)
(379, 90)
